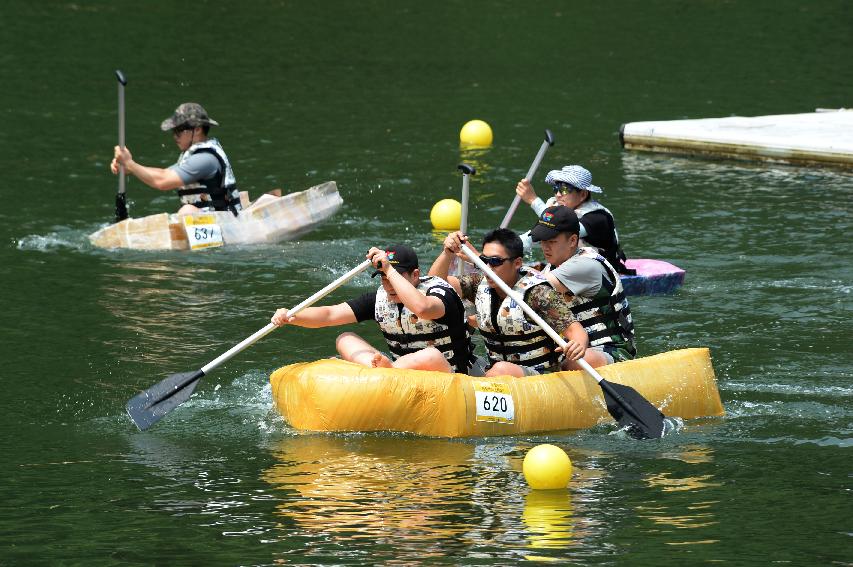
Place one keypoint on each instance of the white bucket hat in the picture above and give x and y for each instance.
(574, 175)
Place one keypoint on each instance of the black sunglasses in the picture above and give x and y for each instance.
(177, 130)
(494, 261)
(564, 188)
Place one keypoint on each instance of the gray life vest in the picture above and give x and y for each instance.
(218, 192)
(606, 316)
(507, 332)
(406, 333)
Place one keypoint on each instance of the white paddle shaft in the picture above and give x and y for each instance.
(530, 173)
(527, 309)
(236, 349)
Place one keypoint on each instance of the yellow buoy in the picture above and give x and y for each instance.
(476, 133)
(547, 467)
(446, 215)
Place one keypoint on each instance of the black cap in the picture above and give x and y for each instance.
(553, 221)
(402, 257)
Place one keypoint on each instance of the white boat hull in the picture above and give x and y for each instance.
(266, 221)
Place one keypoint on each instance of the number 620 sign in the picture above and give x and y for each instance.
(494, 402)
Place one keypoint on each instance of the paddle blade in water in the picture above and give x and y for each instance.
(150, 406)
(632, 411)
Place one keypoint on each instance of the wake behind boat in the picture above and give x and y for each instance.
(268, 220)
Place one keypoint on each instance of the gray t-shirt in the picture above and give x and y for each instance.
(197, 167)
(581, 275)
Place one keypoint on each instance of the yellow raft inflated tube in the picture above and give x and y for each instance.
(334, 395)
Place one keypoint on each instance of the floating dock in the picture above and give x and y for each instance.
(823, 137)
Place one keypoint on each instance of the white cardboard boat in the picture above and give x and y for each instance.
(268, 220)
(821, 137)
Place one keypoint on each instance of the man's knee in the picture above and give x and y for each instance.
(188, 210)
(349, 341)
(346, 336)
(502, 368)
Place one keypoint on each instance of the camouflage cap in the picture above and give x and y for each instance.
(191, 113)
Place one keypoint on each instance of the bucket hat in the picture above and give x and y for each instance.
(574, 175)
(191, 113)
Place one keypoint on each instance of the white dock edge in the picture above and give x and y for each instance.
(824, 137)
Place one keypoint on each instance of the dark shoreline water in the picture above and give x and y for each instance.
(373, 95)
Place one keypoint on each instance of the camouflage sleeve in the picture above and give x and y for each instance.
(469, 283)
(551, 306)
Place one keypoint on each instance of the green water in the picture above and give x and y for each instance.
(373, 96)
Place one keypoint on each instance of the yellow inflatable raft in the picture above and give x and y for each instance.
(334, 395)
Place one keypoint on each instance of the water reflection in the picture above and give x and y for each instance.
(548, 518)
(695, 508)
(476, 158)
(391, 491)
(428, 495)
(162, 303)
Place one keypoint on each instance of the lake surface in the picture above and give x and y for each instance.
(372, 95)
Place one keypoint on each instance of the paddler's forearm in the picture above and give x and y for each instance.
(324, 316)
(576, 332)
(441, 267)
(417, 302)
(155, 177)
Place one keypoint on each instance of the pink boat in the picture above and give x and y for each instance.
(654, 277)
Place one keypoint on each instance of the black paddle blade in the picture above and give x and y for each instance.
(153, 404)
(121, 207)
(632, 411)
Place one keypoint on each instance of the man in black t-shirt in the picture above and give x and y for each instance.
(422, 319)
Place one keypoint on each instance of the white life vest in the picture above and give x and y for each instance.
(507, 332)
(606, 316)
(406, 333)
(220, 191)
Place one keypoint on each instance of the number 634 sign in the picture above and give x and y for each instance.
(202, 231)
(494, 402)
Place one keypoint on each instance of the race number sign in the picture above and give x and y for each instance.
(494, 402)
(203, 232)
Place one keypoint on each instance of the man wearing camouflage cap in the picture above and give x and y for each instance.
(202, 175)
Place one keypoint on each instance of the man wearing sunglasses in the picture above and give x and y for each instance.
(515, 345)
(203, 175)
(421, 318)
(573, 188)
(589, 284)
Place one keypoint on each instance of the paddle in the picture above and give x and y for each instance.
(121, 197)
(631, 410)
(150, 406)
(463, 223)
(549, 141)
